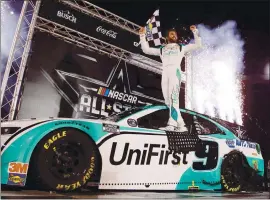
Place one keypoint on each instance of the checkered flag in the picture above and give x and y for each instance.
(153, 31)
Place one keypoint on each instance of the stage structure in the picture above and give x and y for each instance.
(84, 27)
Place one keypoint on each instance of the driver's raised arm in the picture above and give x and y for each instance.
(145, 46)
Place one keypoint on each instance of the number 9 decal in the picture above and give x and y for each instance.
(208, 152)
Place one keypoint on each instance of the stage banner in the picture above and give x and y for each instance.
(63, 80)
(94, 27)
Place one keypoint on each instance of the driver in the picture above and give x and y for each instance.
(171, 55)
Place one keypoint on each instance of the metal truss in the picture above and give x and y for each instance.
(11, 84)
(88, 42)
(97, 12)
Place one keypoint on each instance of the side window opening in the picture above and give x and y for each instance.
(155, 120)
(194, 124)
(198, 125)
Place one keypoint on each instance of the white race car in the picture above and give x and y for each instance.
(128, 151)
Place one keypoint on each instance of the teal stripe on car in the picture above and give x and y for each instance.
(21, 149)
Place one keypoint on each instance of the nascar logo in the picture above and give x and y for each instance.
(117, 95)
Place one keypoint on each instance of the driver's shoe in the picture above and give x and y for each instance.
(168, 128)
(181, 129)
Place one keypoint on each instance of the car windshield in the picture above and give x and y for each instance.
(118, 116)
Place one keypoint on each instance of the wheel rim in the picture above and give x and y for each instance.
(231, 171)
(67, 161)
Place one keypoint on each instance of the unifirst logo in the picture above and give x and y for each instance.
(66, 15)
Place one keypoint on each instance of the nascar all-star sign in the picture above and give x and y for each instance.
(101, 99)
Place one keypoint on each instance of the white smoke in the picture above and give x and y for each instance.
(217, 70)
(9, 21)
(267, 72)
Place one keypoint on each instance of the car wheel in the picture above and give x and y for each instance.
(65, 160)
(232, 173)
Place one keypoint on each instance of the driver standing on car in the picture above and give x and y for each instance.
(171, 55)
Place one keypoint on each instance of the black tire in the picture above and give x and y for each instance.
(233, 174)
(67, 164)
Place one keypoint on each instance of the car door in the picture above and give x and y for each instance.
(138, 157)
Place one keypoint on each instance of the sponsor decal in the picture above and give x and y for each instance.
(67, 15)
(110, 128)
(16, 179)
(54, 138)
(121, 96)
(108, 33)
(246, 144)
(100, 106)
(80, 183)
(193, 187)
(144, 156)
(149, 35)
(230, 143)
(17, 173)
(132, 122)
(226, 186)
(18, 167)
(255, 164)
(71, 122)
(136, 44)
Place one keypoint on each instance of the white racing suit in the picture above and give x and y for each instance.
(171, 56)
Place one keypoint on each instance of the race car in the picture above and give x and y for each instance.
(128, 151)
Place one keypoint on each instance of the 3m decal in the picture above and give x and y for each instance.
(132, 122)
(16, 179)
(18, 167)
(54, 138)
(110, 128)
(85, 178)
(144, 156)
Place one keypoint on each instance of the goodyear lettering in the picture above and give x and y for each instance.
(69, 187)
(90, 171)
(78, 184)
(17, 167)
(54, 138)
(225, 185)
